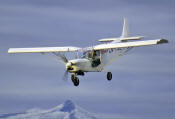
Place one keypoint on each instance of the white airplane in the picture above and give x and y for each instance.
(94, 58)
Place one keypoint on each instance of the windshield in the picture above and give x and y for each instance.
(90, 54)
(86, 54)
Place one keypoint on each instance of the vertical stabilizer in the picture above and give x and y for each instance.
(125, 32)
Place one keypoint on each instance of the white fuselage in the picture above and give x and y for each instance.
(80, 65)
(106, 58)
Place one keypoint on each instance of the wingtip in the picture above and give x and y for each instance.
(9, 51)
(162, 41)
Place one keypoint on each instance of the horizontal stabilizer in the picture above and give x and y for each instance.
(121, 39)
(108, 39)
(130, 44)
(132, 38)
(43, 49)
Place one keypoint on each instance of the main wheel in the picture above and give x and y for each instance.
(109, 76)
(75, 80)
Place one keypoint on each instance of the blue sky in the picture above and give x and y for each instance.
(143, 80)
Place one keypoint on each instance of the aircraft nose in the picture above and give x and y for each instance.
(69, 66)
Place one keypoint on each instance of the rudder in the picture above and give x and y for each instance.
(125, 32)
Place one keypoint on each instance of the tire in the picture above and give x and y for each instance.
(76, 83)
(109, 76)
(72, 77)
(75, 80)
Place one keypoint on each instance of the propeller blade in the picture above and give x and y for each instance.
(65, 76)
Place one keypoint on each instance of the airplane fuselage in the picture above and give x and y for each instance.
(95, 63)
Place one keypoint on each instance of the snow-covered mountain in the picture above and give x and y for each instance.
(67, 110)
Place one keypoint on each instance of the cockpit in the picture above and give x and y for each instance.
(94, 56)
(91, 54)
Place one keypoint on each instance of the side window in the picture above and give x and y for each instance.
(97, 53)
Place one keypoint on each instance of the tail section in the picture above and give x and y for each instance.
(125, 32)
(125, 35)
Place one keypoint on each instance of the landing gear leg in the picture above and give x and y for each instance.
(75, 79)
(109, 76)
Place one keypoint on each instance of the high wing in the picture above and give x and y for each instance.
(130, 44)
(43, 49)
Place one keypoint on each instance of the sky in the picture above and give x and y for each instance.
(143, 79)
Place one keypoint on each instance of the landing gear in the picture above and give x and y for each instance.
(80, 73)
(109, 76)
(75, 79)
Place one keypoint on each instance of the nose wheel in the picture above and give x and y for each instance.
(109, 76)
(75, 80)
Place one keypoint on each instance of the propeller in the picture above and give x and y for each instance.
(68, 67)
(65, 76)
(65, 60)
(67, 63)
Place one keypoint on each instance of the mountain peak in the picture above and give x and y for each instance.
(66, 110)
(68, 106)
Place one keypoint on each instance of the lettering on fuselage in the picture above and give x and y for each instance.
(114, 50)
